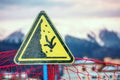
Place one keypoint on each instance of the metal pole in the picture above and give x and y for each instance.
(45, 70)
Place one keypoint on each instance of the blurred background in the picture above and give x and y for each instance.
(90, 28)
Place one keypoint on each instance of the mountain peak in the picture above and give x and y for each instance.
(110, 38)
(15, 37)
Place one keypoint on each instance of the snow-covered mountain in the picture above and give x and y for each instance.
(15, 37)
(90, 48)
(110, 38)
(12, 42)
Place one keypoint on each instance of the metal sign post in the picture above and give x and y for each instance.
(45, 72)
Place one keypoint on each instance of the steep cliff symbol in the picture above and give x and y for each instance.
(50, 43)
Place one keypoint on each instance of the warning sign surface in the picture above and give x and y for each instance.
(43, 44)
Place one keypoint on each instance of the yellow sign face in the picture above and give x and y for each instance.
(43, 44)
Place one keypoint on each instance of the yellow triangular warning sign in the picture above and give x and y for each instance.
(43, 44)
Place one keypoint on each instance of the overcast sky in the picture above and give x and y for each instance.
(73, 17)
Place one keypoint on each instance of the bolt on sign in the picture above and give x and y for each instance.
(43, 45)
